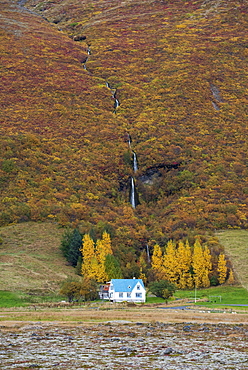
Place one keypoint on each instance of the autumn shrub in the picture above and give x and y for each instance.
(79, 289)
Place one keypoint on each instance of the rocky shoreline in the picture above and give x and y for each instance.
(120, 344)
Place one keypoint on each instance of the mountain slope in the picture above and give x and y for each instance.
(30, 258)
(178, 70)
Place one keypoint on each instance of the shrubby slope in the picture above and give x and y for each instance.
(178, 70)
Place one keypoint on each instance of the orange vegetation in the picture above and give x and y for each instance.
(178, 69)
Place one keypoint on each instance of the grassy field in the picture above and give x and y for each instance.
(30, 258)
(220, 295)
(236, 247)
(21, 299)
(10, 299)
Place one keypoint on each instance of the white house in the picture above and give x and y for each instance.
(127, 290)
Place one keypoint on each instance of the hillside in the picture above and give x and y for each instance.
(235, 243)
(30, 258)
(88, 84)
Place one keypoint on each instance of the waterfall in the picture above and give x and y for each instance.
(135, 163)
(216, 93)
(84, 62)
(21, 2)
(148, 253)
(129, 140)
(215, 106)
(117, 103)
(132, 196)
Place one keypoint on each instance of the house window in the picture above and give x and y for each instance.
(138, 295)
(128, 295)
(120, 295)
(138, 287)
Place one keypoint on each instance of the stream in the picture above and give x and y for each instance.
(133, 198)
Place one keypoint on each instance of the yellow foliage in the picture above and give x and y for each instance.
(88, 256)
(201, 262)
(184, 258)
(94, 256)
(231, 279)
(171, 262)
(157, 261)
(222, 268)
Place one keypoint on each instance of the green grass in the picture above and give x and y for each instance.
(19, 299)
(10, 299)
(228, 294)
(154, 300)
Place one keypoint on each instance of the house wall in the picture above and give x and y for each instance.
(129, 297)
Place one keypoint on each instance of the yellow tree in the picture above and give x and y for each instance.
(106, 240)
(157, 262)
(184, 258)
(188, 259)
(222, 268)
(89, 261)
(207, 267)
(201, 263)
(197, 263)
(103, 248)
(170, 263)
(231, 278)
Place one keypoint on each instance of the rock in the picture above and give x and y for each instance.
(187, 328)
(132, 335)
(79, 38)
(127, 349)
(168, 351)
(33, 366)
(154, 172)
(115, 339)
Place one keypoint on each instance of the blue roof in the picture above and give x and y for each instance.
(125, 285)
